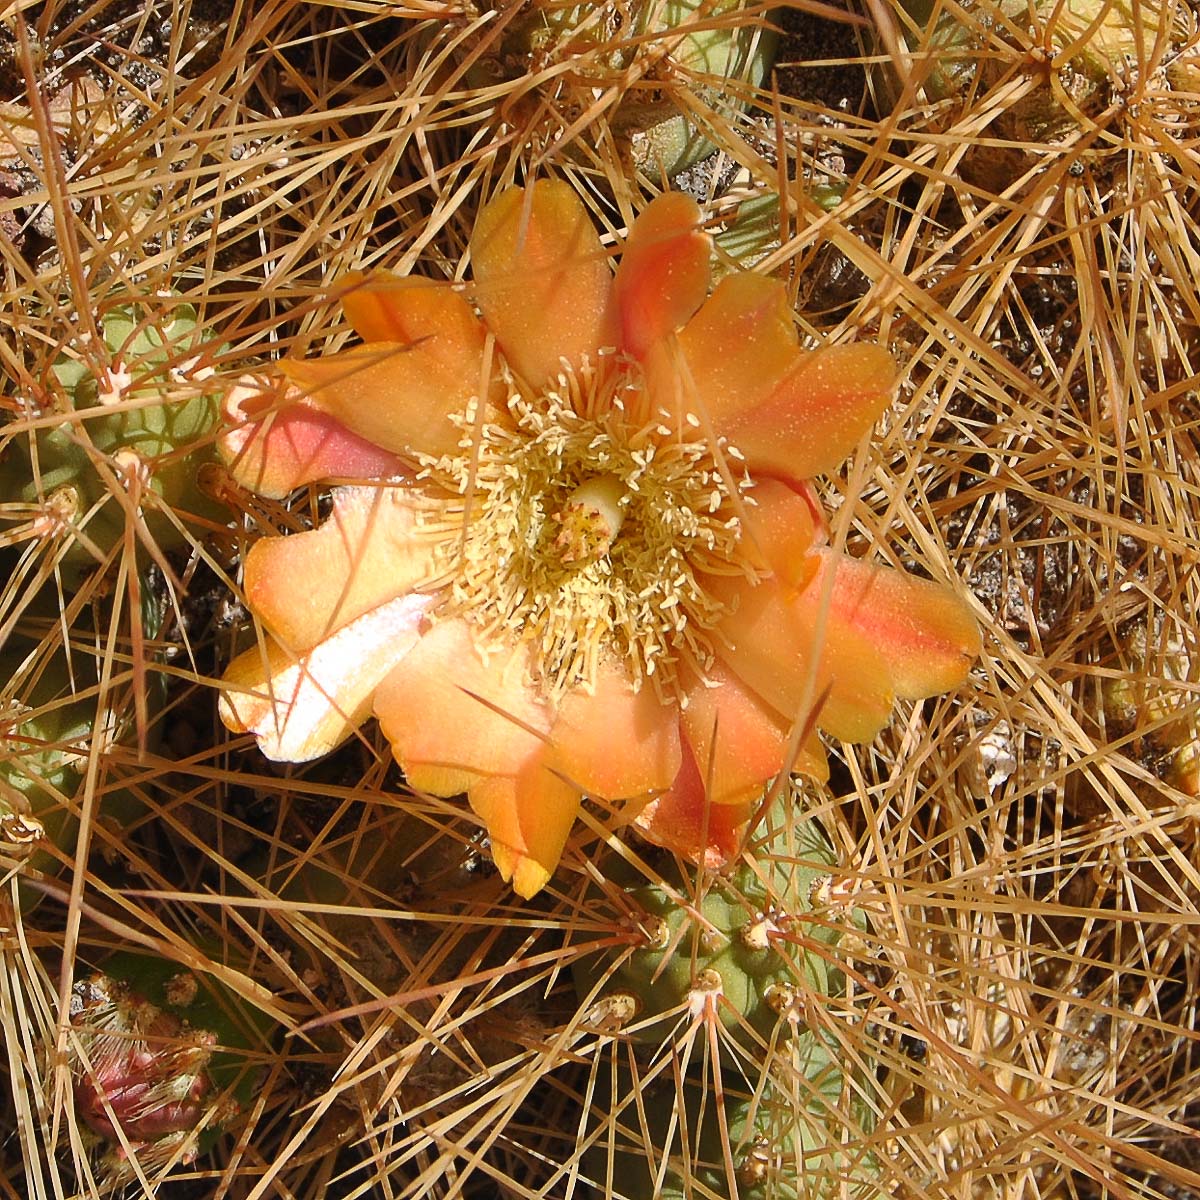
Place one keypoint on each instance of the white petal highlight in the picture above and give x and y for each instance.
(302, 707)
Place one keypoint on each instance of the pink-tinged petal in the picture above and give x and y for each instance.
(614, 742)
(274, 442)
(818, 414)
(781, 529)
(528, 817)
(771, 638)
(731, 355)
(301, 708)
(542, 279)
(450, 709)
(925, 636)
(739, 742)
(304, 586)
(685, 820)
(664, 272)
(398, 395)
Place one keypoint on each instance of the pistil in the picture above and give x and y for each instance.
(590, 520)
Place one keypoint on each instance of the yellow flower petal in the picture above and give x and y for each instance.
(614, 742)
(919, 629)
(407, 309)
(738, 741)
(448, 708)
(529, 817)
(274, 442)
(816, 415)
(771, 638)
(731, 355)
(398, 395)
(664, 272)
(781, 530)
(687, 821)
(877, 634)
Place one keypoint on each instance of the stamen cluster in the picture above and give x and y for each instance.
(677, 520)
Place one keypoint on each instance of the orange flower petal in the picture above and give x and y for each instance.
(400, 395)
(528, 817)
(542, 278)
(304, 586)
(781, 529)
(920, 630)
(408, 309)
(615, 743)
(684, 819)
(731, 355)
(274, 442)
(447, 708)
(818, 414)
(301, 708)
(664, 272)
(738, 741)
(880, 633)
(771, 639)
(440, 781)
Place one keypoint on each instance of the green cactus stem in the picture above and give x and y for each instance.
(52, 718)
(121, 445)
(964, 32)
(1154, 699)
(801, 1135)
(755, 953)
(1071, 51)
(755, 946)
(662, 138)
(43, 753)
(702, 45)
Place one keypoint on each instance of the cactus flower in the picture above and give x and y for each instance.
(577, 554)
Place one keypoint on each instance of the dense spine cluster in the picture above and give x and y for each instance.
(108, 449)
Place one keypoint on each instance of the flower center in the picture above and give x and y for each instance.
(586, 523)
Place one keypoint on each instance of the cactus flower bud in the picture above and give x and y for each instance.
(160, 1055)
